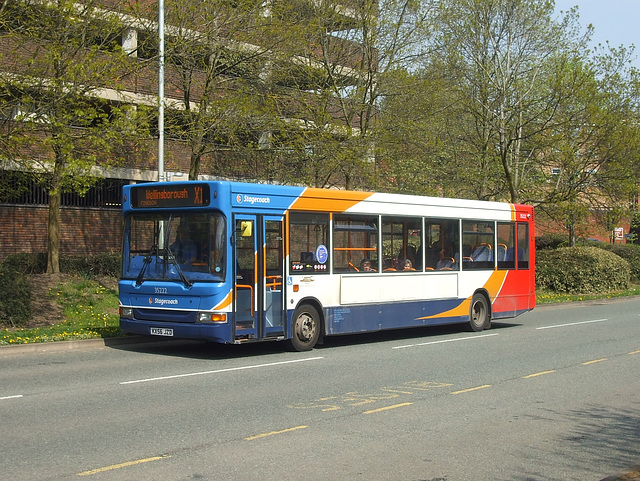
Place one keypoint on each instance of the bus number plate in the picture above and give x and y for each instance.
(161, 331)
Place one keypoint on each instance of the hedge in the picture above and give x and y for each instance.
(551, 241)
(15, 301)
(629, 252)
(581, 270)
(100, 264)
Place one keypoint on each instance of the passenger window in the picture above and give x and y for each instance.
(308, 243)
(402, 244)
(506, 247)
(442, 239)
(355, 244)
(523, 245)
(478, 241)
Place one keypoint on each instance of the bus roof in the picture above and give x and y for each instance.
(279, 198)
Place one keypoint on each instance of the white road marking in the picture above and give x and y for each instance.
(446, 340)
(571, 324)
(17, 396)
(217, 371)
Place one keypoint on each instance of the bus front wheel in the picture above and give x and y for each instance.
(479, 318)
(305, 327)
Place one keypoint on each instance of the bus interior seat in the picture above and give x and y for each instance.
(482, 253)
(502, 252)
(447, 263)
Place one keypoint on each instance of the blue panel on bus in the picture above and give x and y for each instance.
(259, 196)
(377, 317)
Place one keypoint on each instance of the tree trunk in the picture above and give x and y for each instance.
(53, 230)
(572, 235)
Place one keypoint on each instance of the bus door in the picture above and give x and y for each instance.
(259, 270)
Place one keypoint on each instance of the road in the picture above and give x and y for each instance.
(550, 395)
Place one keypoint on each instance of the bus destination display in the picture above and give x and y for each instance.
(181, 195)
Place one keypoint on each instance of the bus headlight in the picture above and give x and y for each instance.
(126, 312)
(212, 317)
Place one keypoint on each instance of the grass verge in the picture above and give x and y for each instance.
(90, 311)
(551, 297)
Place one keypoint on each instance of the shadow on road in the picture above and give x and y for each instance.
(209, 350)
(600, 439)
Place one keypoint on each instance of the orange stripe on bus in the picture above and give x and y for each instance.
(313, 199)
(493, 287)
(225, 302)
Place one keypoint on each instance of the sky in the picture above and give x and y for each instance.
(613, 20)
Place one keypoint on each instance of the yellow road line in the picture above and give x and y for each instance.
(386, 408)
(264, 435)
(472, 389)
(538, 374)
(635, 352)
(122, 465)
(594, 361)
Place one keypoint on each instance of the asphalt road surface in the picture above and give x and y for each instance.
(551, 395)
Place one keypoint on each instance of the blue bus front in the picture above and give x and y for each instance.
(174, 280)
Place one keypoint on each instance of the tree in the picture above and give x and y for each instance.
(414, 139)
(503, 56)
(57, 57)
(215, 55)
(593, 155)
(333, 85)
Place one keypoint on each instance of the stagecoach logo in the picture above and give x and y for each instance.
(162, 302)
(252, 199)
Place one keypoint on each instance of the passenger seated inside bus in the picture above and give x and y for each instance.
(410, 252)
(184, 248)
(407, 265)
(365, 266)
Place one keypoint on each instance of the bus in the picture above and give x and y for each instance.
(233, 262)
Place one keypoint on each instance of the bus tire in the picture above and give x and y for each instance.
(305, 328)
(479, 317)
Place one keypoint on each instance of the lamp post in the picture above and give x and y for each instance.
(161, 91)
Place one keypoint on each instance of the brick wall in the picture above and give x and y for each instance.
(82, 231)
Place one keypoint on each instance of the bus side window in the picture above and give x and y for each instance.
(355, 243)
(481, 236)
(523, 245)
(442, 237)
(402, 244)
(308, 236)
(506, 248)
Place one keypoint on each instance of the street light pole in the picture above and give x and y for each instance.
(161, 91)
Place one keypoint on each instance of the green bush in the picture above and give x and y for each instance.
(15, 301)
(88, 266)
(579, 270)
(551, 241)
(27, 263)
(630, 253)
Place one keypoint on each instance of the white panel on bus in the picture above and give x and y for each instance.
(387, 287)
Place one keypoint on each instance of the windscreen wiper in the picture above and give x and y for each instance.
(145, 264)
(174, 261)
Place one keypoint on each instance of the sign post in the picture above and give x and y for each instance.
(618, 234)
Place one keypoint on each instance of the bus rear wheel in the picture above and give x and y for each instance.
(479, 318)
(305, 327)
